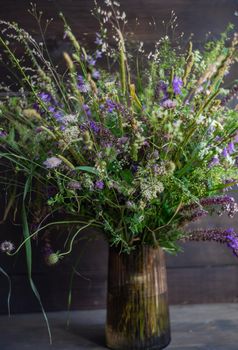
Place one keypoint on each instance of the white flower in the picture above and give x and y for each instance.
(200, 119)
(52, 162)
(108, 3)
(71, 134)
(7, 247)
(69, 119)
(74, 185)
(123, 16)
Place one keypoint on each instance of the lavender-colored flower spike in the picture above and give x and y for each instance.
(94, 126)
(227, 236)
(177, 85)
(225, 204)
(52, 162)
(110, 105)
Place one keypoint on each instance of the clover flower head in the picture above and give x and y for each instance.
(52, 162)
(7, 247)
(169, 103)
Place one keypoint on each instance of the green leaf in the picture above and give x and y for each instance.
(88, 169)
(127, 176)
(9, 289)
(28, 249)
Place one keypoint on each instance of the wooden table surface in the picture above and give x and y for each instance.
(203, 327)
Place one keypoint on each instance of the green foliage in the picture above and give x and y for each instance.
(126, 147)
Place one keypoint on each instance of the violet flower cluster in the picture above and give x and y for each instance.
(228, 236)
(137, 155)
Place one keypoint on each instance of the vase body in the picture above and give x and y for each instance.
(137, 300)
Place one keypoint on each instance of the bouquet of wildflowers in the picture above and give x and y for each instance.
(139, 149)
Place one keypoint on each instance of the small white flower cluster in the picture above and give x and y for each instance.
(87, 182)
(101, 167)
(113, 12)
(71, 134)
(69, 119)
(151, 188)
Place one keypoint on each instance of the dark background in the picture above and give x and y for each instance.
(205, 272)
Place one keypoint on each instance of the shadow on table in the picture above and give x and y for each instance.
(88, 334)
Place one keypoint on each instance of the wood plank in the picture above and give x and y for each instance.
(186, 286)
(203, 285)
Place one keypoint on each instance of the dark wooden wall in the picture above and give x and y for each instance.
(205, 272)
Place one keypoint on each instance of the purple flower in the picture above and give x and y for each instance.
(110, 105)
(232, 240)
(177, 85)
(161, 88)
(96, 74)
(91, 61)
(82, 85)
(231, 148)
(84, 88)
(99, 185)
(45, 97)
(58, 115)
(169, 104)
(52, 162)
(122, 140)
(214, 161)
(98, 40)
(227, 236)
(94, 126)
(51, 109)
(134, 168)
(3, 133)
(98, 54)
(7, 247)
(87, 110)
(225, 152)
